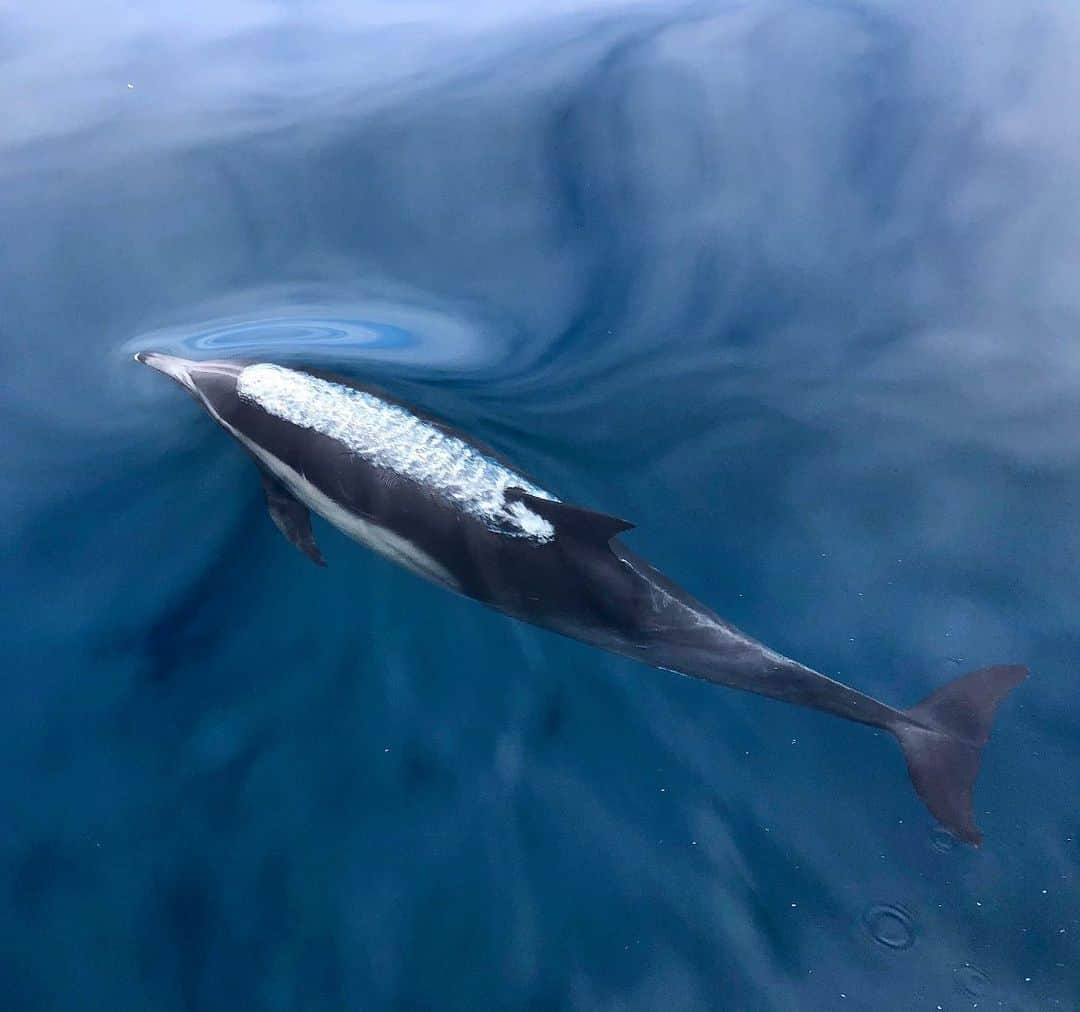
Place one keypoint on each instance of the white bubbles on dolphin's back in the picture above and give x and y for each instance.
(392, 437)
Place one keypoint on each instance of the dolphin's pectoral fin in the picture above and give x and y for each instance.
(291, 517)
(584, 524)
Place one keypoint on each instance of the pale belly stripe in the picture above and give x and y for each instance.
(379, 539)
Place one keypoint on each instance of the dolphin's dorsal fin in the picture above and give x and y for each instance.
(290, 516)
(587, 525)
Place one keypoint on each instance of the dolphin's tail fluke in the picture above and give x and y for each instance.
(943, 740)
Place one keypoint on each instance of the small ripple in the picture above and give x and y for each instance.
(942, 840)
(891, 925)
(970, 980)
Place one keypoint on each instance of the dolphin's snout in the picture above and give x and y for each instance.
(175, 368)
(155, 359)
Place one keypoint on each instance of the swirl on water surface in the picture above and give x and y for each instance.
(333, 330)
(265, 334)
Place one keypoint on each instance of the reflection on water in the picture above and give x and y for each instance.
(793, 287)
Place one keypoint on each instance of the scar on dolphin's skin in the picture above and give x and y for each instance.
(428, 497)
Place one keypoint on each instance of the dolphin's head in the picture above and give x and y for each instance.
(211, 383)
(178, 369)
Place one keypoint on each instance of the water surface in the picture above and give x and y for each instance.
(790, 286)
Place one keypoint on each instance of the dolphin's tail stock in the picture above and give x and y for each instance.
(943, 740)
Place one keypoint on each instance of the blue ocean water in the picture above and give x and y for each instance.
(792, 286)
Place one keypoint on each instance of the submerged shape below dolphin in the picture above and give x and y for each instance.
(417, 491)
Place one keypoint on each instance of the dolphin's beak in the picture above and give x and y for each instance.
(176, 368)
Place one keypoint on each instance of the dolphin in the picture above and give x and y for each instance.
(425, 495)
